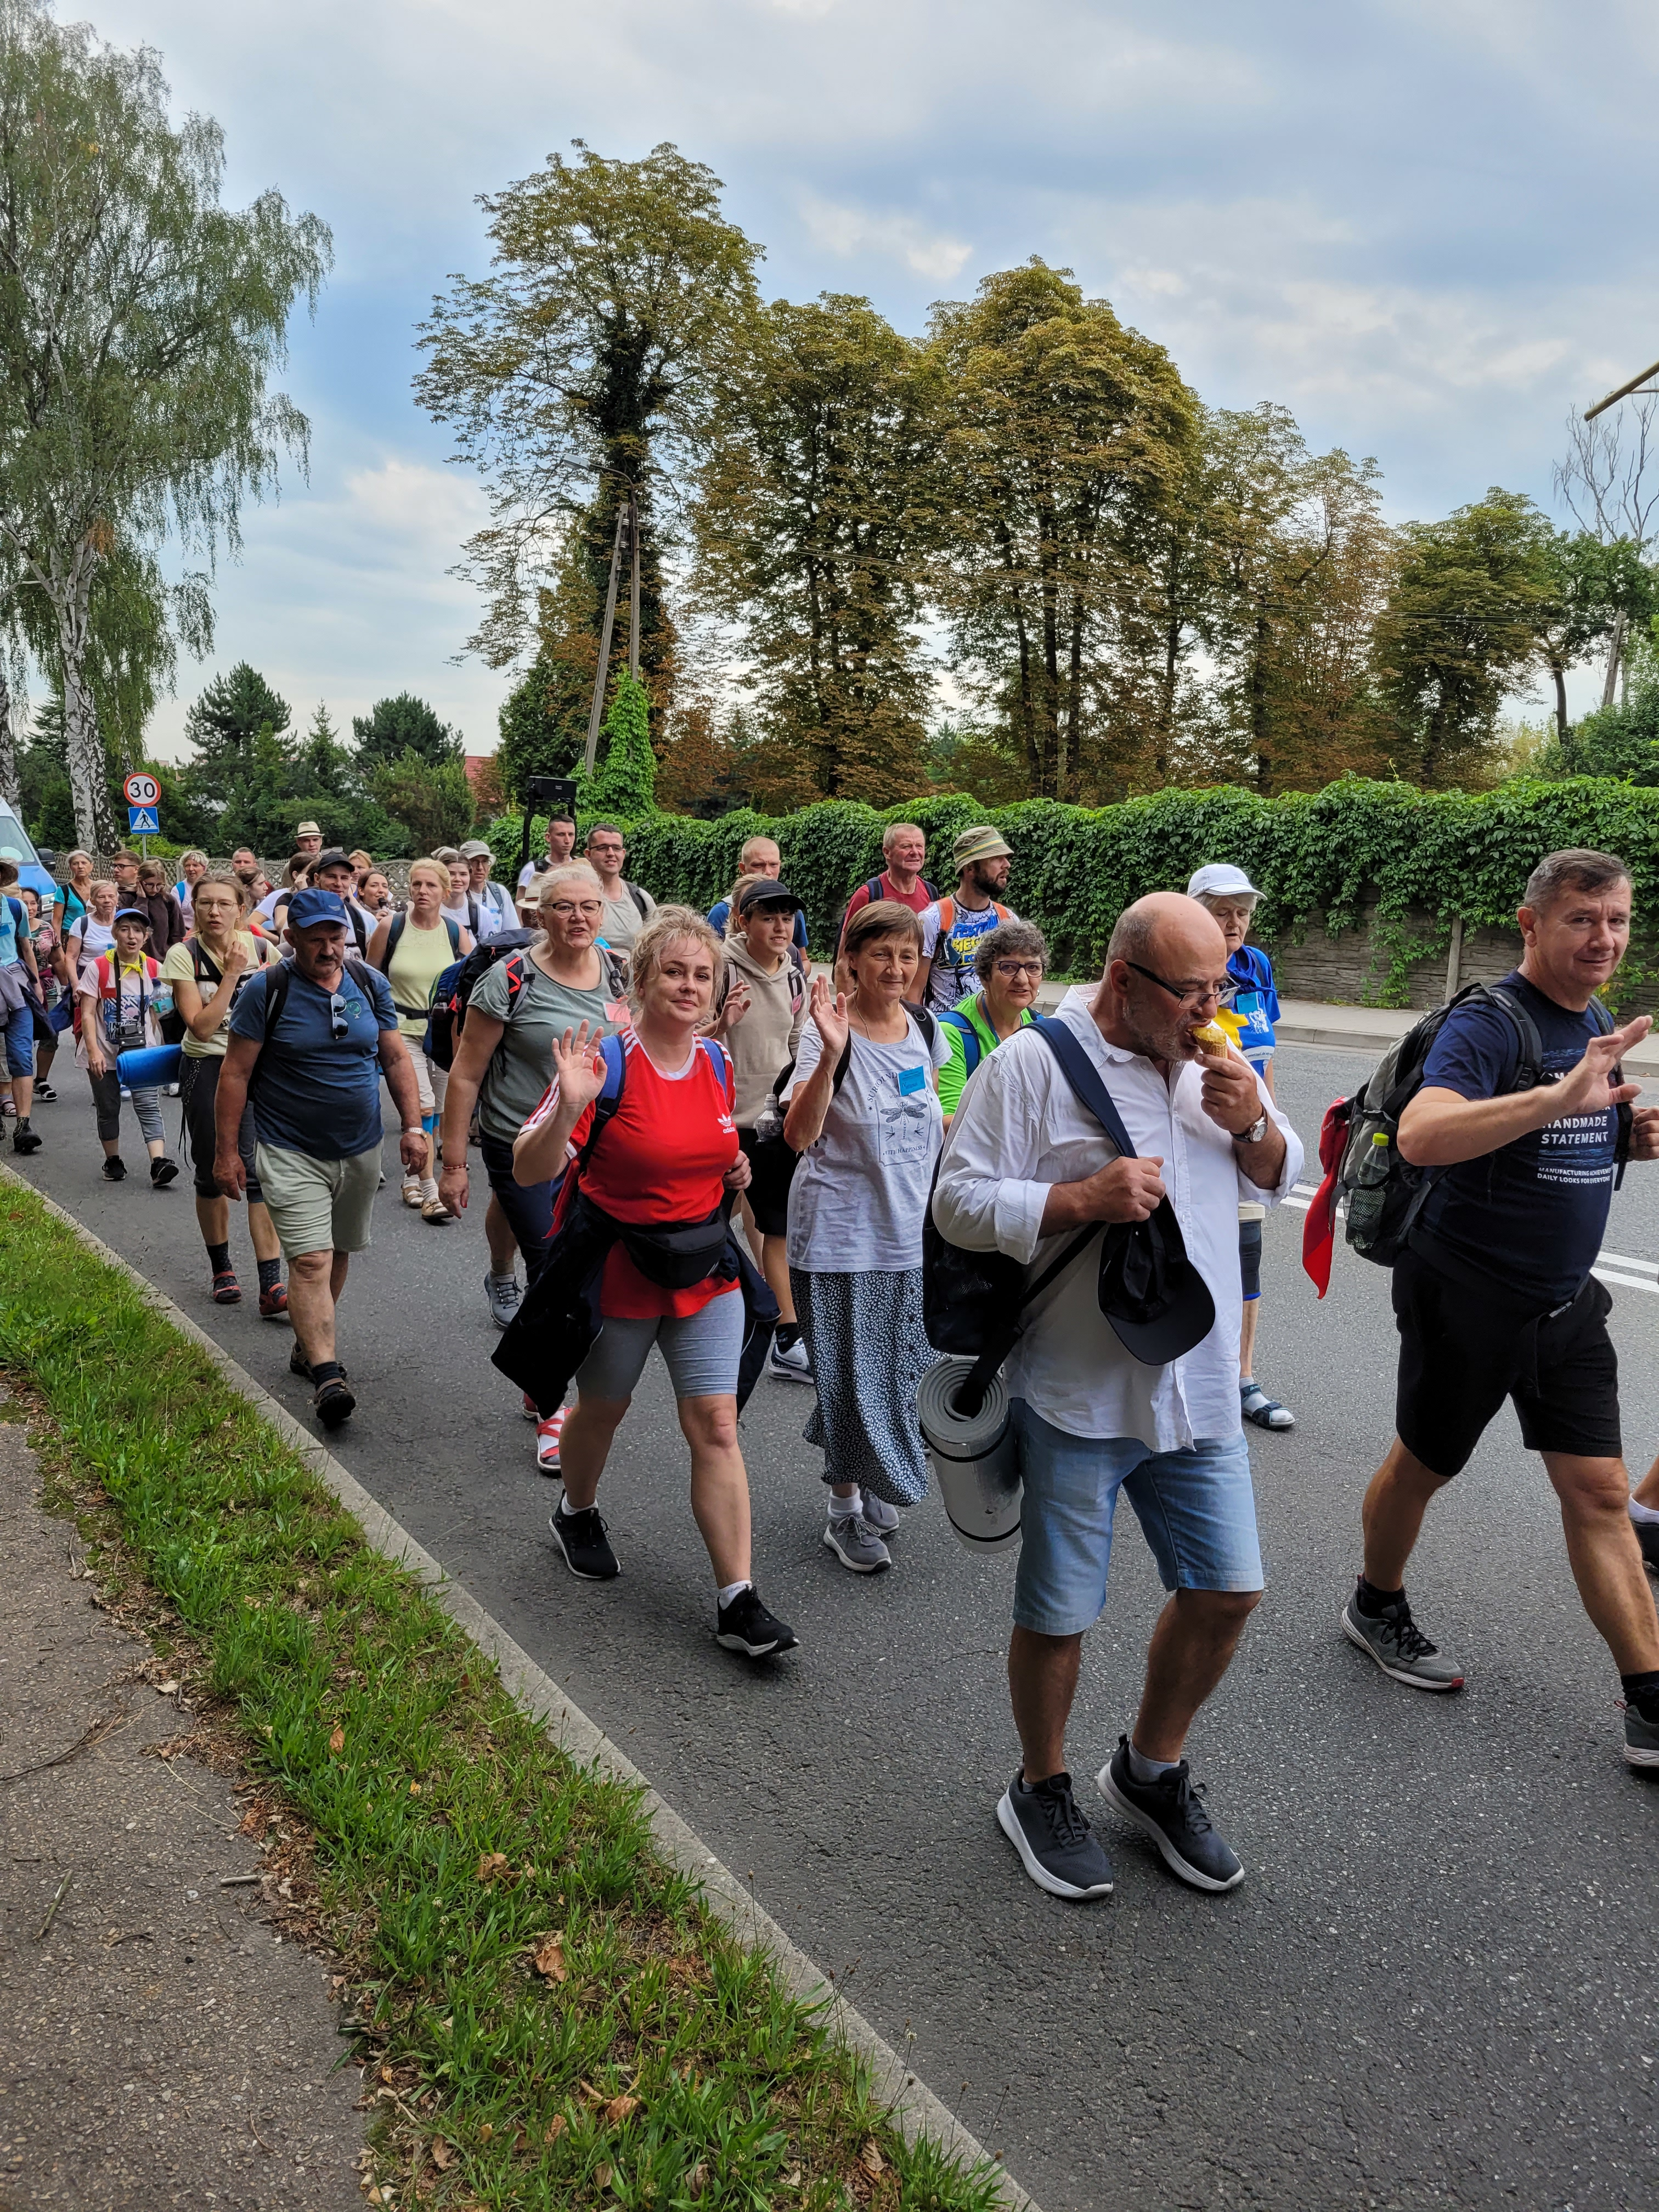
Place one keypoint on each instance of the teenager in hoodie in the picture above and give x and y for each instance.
(761, 1002)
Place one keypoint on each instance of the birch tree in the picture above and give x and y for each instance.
(140, 321)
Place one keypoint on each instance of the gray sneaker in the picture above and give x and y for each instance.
(883, 1517)
(1399, 1647)
(1641, 1740)
(856, 1544)
(502, 1295)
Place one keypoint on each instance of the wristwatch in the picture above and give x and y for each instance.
(1254, 1134)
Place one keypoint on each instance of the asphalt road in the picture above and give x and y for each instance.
(1436, 1987)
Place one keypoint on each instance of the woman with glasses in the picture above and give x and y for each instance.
(503, 1064)
(1248, 1018)
(411, 950)
(864, 1115)
(1009, 964)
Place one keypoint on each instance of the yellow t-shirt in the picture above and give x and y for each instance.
(421, 956)
(177, 968)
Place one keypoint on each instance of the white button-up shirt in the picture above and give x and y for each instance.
(1021, 1130)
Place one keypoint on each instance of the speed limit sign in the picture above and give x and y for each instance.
(142, 790)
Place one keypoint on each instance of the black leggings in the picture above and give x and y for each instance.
(198, 1087)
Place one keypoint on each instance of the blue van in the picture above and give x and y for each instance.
(30, 873)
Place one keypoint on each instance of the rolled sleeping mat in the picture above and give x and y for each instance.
(148, 1070)
(974, 1457)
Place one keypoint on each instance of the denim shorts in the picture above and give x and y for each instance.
(1196, 1510)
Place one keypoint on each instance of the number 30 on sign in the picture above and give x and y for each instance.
(142, 790)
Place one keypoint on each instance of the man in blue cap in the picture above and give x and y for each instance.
(311, 1037)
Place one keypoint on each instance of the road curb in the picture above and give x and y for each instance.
(913, 2106)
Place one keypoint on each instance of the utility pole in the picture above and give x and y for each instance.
(598, 709)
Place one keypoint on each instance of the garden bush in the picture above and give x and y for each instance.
(1424, 856)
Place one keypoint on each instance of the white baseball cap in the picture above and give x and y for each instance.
(1222, 880)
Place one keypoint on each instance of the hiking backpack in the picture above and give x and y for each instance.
(452, 993)
(1381, 1232)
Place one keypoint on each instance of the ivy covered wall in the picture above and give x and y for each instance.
(1399, 862)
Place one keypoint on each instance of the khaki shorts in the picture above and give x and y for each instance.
(320, 1206)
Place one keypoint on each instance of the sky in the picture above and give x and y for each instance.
(1423, 228)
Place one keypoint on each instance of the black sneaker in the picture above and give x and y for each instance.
(1056, 1845)
(162, 1172)
(1170, 1810)
(1647, 1536)
(332, 1402)
(746, 1625)
(587, 1549)
(25, 1140)
(115, 1168)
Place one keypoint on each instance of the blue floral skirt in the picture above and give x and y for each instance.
(864, 1339)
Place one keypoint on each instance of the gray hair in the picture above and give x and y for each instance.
(1577, 869)
(1210, 900)
(897, 829)
(1010, 937)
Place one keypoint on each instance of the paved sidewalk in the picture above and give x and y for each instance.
(163, 2046)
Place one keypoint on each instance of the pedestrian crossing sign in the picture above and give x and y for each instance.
(143, 821)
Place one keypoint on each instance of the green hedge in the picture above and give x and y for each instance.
(1433, 854)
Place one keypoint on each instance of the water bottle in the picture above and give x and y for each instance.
(1370, 1188)
(160, 999)
(768, 1122)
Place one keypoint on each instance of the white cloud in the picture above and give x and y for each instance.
(847, 230)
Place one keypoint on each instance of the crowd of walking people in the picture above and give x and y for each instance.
(691, 1142)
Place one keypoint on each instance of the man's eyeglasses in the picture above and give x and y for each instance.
(1010, 968)
(1190, 994)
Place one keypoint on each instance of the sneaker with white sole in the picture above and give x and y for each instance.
(748, 1625)
(1399, 1646)
(548, 1434)
(1169, 1808)
(582, 1540)
(856, 1544)
(883, 1517)
(502, 1295)
(1641, 1738)
(790, 1362)
(1056, 1845)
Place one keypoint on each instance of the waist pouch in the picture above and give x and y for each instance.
(674, 1255)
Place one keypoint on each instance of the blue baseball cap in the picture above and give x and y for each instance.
(310, 909)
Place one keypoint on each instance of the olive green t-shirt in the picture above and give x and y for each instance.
(521, 1067)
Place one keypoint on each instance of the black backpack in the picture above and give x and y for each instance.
(452, 991)
(1381, 1214)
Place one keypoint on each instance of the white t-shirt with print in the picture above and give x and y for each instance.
(859, 1193)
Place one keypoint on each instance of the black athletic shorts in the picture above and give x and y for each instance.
(767, 1193)
(1463, 1351)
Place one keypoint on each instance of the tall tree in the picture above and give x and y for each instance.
(139, 323)
(813, 528)
(578, 370)
(403, 725)
(224, 726)
(1459, 629)
(1066, 433)
(1609, 483)
(1596, 591)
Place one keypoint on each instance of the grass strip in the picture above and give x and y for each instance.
(548, 2015)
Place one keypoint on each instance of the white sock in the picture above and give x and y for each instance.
(1640, 1512)
(1148, 1770)
(841, 1508)
(732, 1590)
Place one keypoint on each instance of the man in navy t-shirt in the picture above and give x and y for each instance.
(312, 1037)
(1494, 1298)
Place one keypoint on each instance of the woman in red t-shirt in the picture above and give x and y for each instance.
(668, 1154)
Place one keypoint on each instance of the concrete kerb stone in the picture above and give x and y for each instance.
(912, 2105)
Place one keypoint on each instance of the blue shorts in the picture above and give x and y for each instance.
(1196, 1510)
